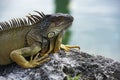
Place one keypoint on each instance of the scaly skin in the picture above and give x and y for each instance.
(41, 38)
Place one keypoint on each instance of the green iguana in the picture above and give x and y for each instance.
(37, 35)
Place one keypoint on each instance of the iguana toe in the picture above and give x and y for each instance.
(68, 47)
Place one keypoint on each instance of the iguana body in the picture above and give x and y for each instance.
(39, 35)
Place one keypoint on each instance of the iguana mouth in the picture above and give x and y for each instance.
(67, 25)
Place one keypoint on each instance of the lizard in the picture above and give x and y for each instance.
(32, 36)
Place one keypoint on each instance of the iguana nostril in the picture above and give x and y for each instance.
(69, 18)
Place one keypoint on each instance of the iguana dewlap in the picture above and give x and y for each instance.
(38, 35)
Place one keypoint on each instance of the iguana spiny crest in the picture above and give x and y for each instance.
(20, 22)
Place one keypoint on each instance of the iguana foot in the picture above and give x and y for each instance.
(68, 47)
(36, 61)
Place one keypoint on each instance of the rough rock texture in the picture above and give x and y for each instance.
(72, 63)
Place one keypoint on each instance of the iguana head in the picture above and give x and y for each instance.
(52, 25)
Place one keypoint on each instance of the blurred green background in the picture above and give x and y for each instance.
(96, 26)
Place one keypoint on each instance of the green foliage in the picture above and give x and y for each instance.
(73, 78)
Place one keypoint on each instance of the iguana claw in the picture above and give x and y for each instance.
(36, 61)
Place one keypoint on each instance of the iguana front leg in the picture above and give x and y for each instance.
(58, 44)
(19, 56)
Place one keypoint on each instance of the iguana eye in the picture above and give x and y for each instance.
(51, 34)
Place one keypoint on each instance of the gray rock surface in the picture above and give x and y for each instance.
(71, 63)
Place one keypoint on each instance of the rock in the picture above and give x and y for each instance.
(62, 64)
